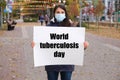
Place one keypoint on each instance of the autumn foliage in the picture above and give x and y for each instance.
(98, 10)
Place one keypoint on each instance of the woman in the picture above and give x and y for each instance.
(46, 19)
(60, 19)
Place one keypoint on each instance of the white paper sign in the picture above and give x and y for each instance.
(58, 45)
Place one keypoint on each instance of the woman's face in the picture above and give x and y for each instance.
(60, 15)
(59, 11)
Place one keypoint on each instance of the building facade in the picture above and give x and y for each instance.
(109, 9)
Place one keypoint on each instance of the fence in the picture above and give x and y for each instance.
(108, 24)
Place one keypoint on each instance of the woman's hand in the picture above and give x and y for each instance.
(33, 44)
(86, 44)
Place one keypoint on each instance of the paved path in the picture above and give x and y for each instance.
(101, 62)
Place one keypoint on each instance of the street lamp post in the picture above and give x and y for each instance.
(117, 6)
(0, 17)
(80, 18)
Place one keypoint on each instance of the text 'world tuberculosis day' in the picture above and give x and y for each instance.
(58, 45)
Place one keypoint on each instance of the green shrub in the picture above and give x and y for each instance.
(30, 19)
(84, 25)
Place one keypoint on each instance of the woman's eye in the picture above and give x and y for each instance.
(60, 12)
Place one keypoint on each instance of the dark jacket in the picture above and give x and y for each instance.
(58, 67)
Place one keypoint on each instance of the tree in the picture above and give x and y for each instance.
(2, 6)
(2, 3)
(98, 10)
(73, 8)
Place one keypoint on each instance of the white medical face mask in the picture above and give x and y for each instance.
(60, 17)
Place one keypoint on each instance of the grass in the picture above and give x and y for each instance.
(3, 28)
(106, 31)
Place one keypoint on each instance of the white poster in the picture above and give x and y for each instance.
(58, 45)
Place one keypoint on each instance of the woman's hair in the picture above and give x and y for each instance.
(66, 21)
